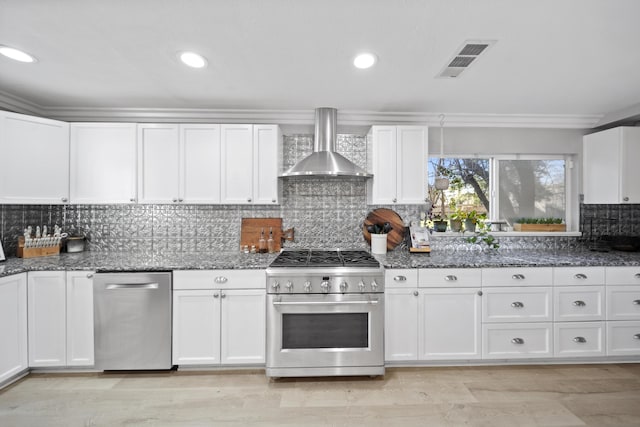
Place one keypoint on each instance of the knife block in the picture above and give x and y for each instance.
(36, 252)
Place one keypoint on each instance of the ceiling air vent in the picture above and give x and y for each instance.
(464, 57)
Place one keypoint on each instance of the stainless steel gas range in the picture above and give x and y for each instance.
(325, 314)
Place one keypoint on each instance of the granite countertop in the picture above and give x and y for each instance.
(106, 261)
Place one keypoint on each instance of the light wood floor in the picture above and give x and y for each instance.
(560, 395)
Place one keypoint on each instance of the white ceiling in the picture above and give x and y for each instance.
(566, 59)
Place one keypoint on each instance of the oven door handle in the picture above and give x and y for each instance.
(325, 303)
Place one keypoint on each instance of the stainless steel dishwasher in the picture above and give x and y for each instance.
(132, 317)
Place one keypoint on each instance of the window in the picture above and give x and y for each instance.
(503, 187)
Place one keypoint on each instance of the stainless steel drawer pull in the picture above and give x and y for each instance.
(400, 279)
(450, 278)
(325, 302)
(220, 279)
(132, 286)
(89, 275)
(579, 303)
(216, 295)
(517, 304)
(636, 302)
(580, 340)
(517, 341)
(636, 337)
(637, 276)
(580, 276)
(518, 277)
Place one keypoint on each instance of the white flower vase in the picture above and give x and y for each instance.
(379, 244)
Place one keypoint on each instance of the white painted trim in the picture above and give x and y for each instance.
(294, 117)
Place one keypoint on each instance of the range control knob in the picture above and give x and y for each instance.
(275, 286)
(289, 286)
(343, 287)
(307, 286)
(361, 286)
(324, 286)
(374, 286)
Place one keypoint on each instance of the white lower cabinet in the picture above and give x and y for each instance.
(623, 338)
(60, 319)
(517, 340)
(13, 325)
(579, 339)
(517, 304)
(578, 303)
(623, 302)
(214, 325)
(401, 324)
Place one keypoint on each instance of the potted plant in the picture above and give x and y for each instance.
(456, 219)
(472, 219)
(539, 224)
(439, 223)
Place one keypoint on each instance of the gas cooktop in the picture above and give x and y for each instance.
(311, 258)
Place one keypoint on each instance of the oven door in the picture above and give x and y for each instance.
(325, 330)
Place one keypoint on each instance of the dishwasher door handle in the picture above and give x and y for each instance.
(111, 286)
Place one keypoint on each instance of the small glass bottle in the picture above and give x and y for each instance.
(262, 243)
(271, 244)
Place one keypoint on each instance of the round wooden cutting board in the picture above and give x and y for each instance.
(380, 216)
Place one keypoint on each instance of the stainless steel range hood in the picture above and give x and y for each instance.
(325, 161)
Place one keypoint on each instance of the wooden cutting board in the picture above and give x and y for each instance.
(380, 216)
(252, 227)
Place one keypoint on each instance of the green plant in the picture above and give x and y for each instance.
(482, 235)
(475, 217)
(549, 220)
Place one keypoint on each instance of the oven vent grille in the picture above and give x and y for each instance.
(464, 57)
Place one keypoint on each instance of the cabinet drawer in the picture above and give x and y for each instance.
(623, 275)
(449, 277)
(623, 338)
(578, 339)
(623, 302)
(401, 278)
(572, 303)
(522, 276)
(516, 340)
(579, 276)
(516, 304)
(219, 279)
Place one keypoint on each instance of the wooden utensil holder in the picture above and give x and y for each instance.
(36, 252)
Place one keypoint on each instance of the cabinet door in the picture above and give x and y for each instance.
(526, 304)
(578, 303)
(237, 164)
(103, 163)
(578, 339)
(411, 167)
(630, 174)
(196, 327)
(623, 302)
(200, 163)
(401, 324)
(47, 318)
(35, 151)
(243, 326)
(158, 163)
(601, 167)
(13, 325)
(381, 148)
(623, 338)
(267, 160)
(450, 324)
(517, 340)
(79, 290)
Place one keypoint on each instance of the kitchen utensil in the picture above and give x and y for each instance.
(380, 216)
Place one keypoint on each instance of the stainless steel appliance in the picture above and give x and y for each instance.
(132, 315)
(325, 314)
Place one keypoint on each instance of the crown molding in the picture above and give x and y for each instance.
(296, 118)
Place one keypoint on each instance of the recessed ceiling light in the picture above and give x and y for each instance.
(192, 59)
(15, 54)
(365, 60)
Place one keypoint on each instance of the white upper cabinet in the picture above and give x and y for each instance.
(398, 160)
(158, 167)
(610, 167)
(250, 164)
(35, 153)
(103, 163)
(199, 163)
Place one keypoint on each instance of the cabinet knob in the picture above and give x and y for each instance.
(216, 295)
(517, 304)
(451, 278)
(579, 303)
(415, 293)
(400, 279)
(626, 199)
(636, 302)
(637, 275)
(249, 199)
(181, 200)
(89, 276)
(64, 199)
(220, 279)
(132, 200)
(580, 340)
(636, 337)
(479, 293)
(580, 276)
(174, 200)
(273, 200)
(223, 295)
(517, 341)
(394, 200)
(518, 277)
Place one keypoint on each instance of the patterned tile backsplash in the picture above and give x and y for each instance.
(326, 213)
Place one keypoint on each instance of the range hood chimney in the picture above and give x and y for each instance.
(325, 161)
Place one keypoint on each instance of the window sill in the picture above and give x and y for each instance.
(511, 234)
